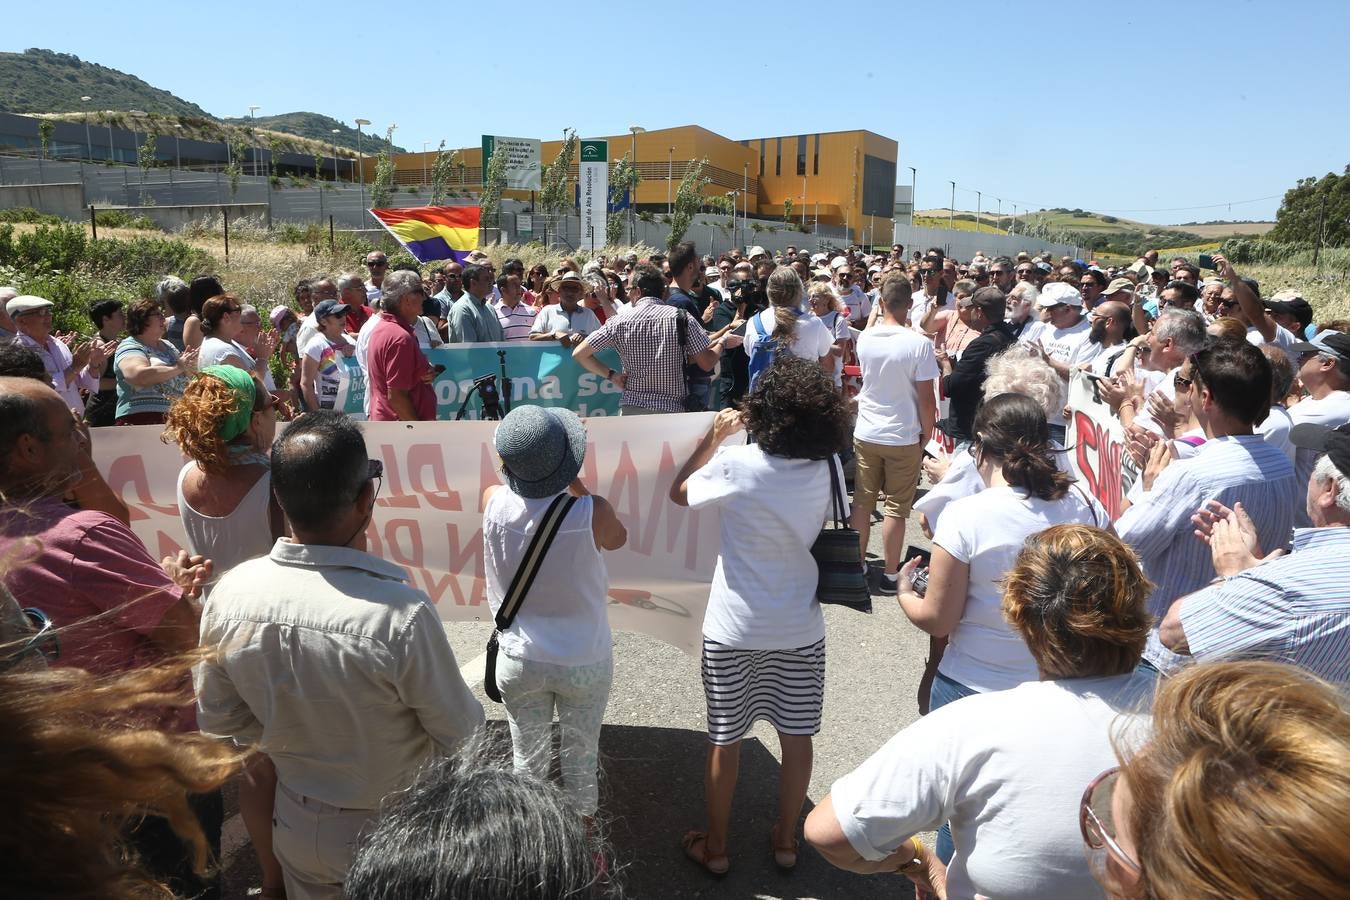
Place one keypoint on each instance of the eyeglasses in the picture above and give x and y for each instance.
(1097, 823)
(376, 262)
(1181, 383)
(1226, 304)
(44, 641)
(1024, 271)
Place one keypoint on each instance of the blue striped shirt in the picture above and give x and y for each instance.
(1239, 468)
(1294, 609)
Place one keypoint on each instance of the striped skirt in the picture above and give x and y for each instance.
(785, 688)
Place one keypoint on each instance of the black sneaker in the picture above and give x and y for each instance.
(888, 585)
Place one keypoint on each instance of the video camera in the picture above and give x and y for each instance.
(486, 388)
(748, 291)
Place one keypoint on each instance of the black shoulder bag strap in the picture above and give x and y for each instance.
(520, 584)
(836, 494)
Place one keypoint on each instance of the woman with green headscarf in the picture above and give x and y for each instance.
(224, 423)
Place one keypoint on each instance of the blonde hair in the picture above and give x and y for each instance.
(1228, 327)
(78, 767)
(784, 290)
(823, 290)
(1078, 597)
(1242, 791)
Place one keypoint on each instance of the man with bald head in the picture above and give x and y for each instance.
(1110, 321)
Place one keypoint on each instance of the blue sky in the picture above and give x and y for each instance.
(1150, 112)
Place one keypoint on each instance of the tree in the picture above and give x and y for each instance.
(490, 200)
(237, 147)
(1316, 211)
(688, 200)
(787, 210)
(273, 151)
(382, 188)
(441, 171)
(45, 129)
(554, 197)
(625, 177)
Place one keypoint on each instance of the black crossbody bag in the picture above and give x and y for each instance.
(691, 403)
(520, 585)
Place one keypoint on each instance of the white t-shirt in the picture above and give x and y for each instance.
(987, 531)
(763, 594)
(554, 318)
(962, 479)
(1007, 769)
(1275, 430)
(894, 361)
(920, 303)
(812, 340)
(1163, 383)
(214, 352)
(309, 326)
(1069, 346)
(836, 323)
(339, 376)
(1103, 357)
(1284, 338)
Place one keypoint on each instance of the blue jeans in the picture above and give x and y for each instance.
(945, 691)
(1057, 433)
(702, 389)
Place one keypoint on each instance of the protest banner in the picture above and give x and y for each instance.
(542, 373)
(593, 186)
(428, 516)
(1096, 442)
(523, 169)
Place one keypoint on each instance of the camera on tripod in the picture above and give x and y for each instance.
(485, 386)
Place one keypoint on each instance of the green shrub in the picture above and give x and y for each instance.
(28, 215)
(120, 218)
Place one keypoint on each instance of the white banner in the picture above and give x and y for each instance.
(593, 173)
(1096, 442)
(427, 518)
(523, 170)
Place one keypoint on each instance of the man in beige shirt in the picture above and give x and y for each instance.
(328, 661)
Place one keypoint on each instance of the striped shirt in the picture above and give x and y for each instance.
(516, 321)
(1333, 410)
(1294, 609)
(1238, 468)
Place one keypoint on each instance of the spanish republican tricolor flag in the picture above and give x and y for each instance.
(432, 232)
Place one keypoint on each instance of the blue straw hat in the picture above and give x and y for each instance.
(541, 448)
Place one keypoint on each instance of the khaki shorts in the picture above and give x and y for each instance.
(889, 471)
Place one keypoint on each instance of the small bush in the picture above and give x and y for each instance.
(28, 215)
(118, 218)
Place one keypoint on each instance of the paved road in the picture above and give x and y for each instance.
(653, 747)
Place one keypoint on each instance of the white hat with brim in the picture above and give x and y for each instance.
(26, 303)
(1057, 293)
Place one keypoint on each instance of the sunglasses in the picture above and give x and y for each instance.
(1226, 304)
(1181, 383)
(378, 262)
(1096, 822)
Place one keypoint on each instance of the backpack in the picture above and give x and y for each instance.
(764, 351)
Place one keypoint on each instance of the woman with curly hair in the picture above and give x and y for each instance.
(764, 633)
(148, 369)
(1007, 768)
(82, 766)
(224, 423)
(1240, 791)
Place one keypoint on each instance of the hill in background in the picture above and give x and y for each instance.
(319, 127)
(1104, 234)
(44, 82)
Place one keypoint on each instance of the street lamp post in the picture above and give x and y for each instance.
(88, 142)
(361, 168)
(139, 114)
(425, 145)
(999, 221)
(1014, 221)
(913, 183)
(745, 202)
(803, 201)
(177, 145)
(337, 176)
(951, 210)
(978, 198)
(634, 130)
(254, 128)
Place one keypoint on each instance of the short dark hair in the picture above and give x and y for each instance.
(472, 271)
(935, 251)
(683, 255)
(470, 826)
(795, 412)
(102, 309)
(21, 361)
(318, 462)
(896, 295)
(1238, 376)
(649, 280)
(503, 279)
(992, 302)
(138, 316)
(514, 266)
(1189, 292)
(1096, 275)
(203, 288)
(20, 414)
(1192, 268)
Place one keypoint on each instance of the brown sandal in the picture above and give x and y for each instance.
(695, 844)
(785, 858)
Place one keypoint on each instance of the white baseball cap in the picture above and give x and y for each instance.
(1057, 293)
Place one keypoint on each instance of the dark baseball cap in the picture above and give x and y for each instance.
(330, 308)
(1334, 442)
(1336, 343)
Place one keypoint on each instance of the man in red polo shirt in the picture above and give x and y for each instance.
(398, 375)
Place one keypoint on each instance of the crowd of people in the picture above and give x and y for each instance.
(1121, 698)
